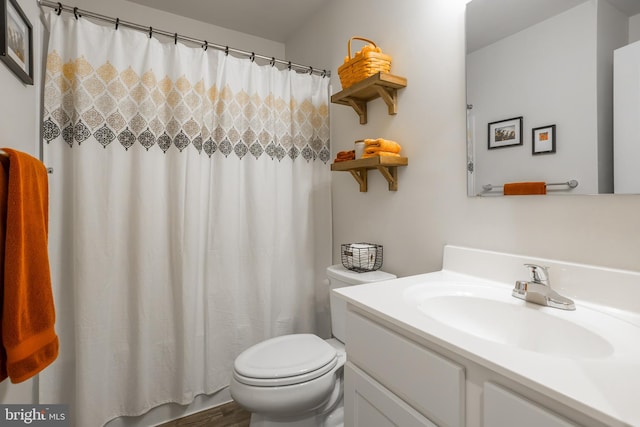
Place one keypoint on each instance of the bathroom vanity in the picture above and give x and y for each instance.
(454, 348)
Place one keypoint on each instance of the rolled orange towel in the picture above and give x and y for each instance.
(524, 188)
(346, 154)
(382, 145)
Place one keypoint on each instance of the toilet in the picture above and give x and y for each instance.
(296, 380)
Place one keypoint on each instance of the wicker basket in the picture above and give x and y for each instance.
(363, 64)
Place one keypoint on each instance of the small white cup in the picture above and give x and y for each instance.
(359, 149)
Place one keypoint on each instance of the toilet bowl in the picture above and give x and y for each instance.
(296, 380)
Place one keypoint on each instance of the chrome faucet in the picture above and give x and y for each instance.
(538, 289)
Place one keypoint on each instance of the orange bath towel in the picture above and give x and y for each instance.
(380, 154)
(29, 341)
(381, 144)
(524, 188)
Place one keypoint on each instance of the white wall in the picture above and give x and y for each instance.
(545, 73)
(147, 16)
(627, 126)
(634, 28)
(430, 209)
(613, 32)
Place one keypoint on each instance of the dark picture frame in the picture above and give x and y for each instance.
(505, 133)
(543, 140)
(16, 40)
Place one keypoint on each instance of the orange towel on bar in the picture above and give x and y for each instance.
(29, 341)
(524, 188)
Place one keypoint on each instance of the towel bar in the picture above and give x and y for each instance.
(571, 184)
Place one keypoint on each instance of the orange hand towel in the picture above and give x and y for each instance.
(29, 340)
(381, 144)
(524, 188)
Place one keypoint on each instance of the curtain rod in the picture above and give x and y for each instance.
(59, 8)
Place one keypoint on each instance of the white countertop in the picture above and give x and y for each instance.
(604, 388)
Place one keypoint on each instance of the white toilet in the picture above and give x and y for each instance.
(296, 380)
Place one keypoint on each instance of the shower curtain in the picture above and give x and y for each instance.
(190, 215)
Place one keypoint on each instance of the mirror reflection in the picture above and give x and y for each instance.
(544, 78)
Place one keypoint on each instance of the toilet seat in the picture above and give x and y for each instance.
(285, 360)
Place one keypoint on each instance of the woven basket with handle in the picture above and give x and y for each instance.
(365, 63)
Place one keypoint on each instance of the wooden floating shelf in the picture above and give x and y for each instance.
(381, 85)
(388, 167)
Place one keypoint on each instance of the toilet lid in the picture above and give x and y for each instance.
(288, 359)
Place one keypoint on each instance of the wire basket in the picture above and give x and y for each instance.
(361, 257)
(364, 63)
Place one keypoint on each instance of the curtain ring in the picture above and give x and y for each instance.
(205, 46)
(175, 38)
(59, 9)
(117, 22)
(273, 61)
(289, 66)
(226, 51)
(75, 12)
(150, 32)
(324, 73)
(252, 57)
(310, 70)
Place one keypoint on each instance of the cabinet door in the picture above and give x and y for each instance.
(367, 404)
(503, 408)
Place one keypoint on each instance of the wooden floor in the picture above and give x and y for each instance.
(227, 415)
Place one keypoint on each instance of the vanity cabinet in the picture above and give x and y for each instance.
(395, 378)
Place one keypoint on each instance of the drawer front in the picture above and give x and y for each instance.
(367, 404)
(503, 408)
(428, 382)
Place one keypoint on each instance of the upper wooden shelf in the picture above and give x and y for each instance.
(381, 85)
(388, 167)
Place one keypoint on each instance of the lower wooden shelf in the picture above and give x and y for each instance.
(388, 167)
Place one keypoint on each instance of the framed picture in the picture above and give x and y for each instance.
(16, 40)
(544, 139)
(505, 133)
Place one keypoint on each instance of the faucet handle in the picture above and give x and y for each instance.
(539, 274)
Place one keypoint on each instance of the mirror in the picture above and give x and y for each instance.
(540, 94)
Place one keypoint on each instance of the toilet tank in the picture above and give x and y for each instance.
(340, 277)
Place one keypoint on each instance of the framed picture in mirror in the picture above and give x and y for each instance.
(505, 133)
(16, 40)
(544, 139)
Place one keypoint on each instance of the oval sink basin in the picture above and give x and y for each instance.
(492, 314)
